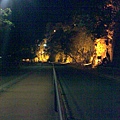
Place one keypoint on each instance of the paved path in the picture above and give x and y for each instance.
(30, 99)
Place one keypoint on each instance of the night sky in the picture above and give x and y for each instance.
(31, 16)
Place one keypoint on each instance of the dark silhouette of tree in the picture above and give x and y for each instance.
(116, 54)
(96, 18)
(5, 26)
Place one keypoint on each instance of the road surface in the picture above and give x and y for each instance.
(89, 97)
(32, 98)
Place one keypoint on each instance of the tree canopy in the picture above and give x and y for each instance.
(89, 20)
(5, 23)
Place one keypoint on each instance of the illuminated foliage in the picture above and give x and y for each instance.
(91, 20)
(81, 46)
(4, 22)
(100, 20)
(98, 16)
(41, 53)
(72, 41)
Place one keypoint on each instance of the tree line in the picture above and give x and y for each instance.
(89, 21)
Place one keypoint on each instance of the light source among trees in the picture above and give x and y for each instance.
(88, 32)
(41, 53)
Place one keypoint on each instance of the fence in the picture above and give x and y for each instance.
(58, 101)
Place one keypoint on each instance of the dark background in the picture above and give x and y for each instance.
(31, 16)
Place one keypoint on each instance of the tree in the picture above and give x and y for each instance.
(5, 25)
(81, 46)
(54, 45)
(72, 40)
(99, 20)
(98, 16)
(116, 58)
(4, 22)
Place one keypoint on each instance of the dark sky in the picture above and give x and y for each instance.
(31, 16)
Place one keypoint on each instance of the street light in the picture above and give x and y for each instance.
(54, 31)
(4, 3)
(45, 45)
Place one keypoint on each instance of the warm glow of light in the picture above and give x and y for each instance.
(62, 58)
(69, 59)
(110, 34)
(101, 48)
(54, 30)
(45, 45)
(36, 59)
(110, 5)
(26, 60)
(23, 60)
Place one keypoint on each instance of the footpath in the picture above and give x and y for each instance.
(32, 98)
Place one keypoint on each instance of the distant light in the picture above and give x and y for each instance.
(54, 30)
(45, 45)
(75, 25)
(0, 56)
(23, 60)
